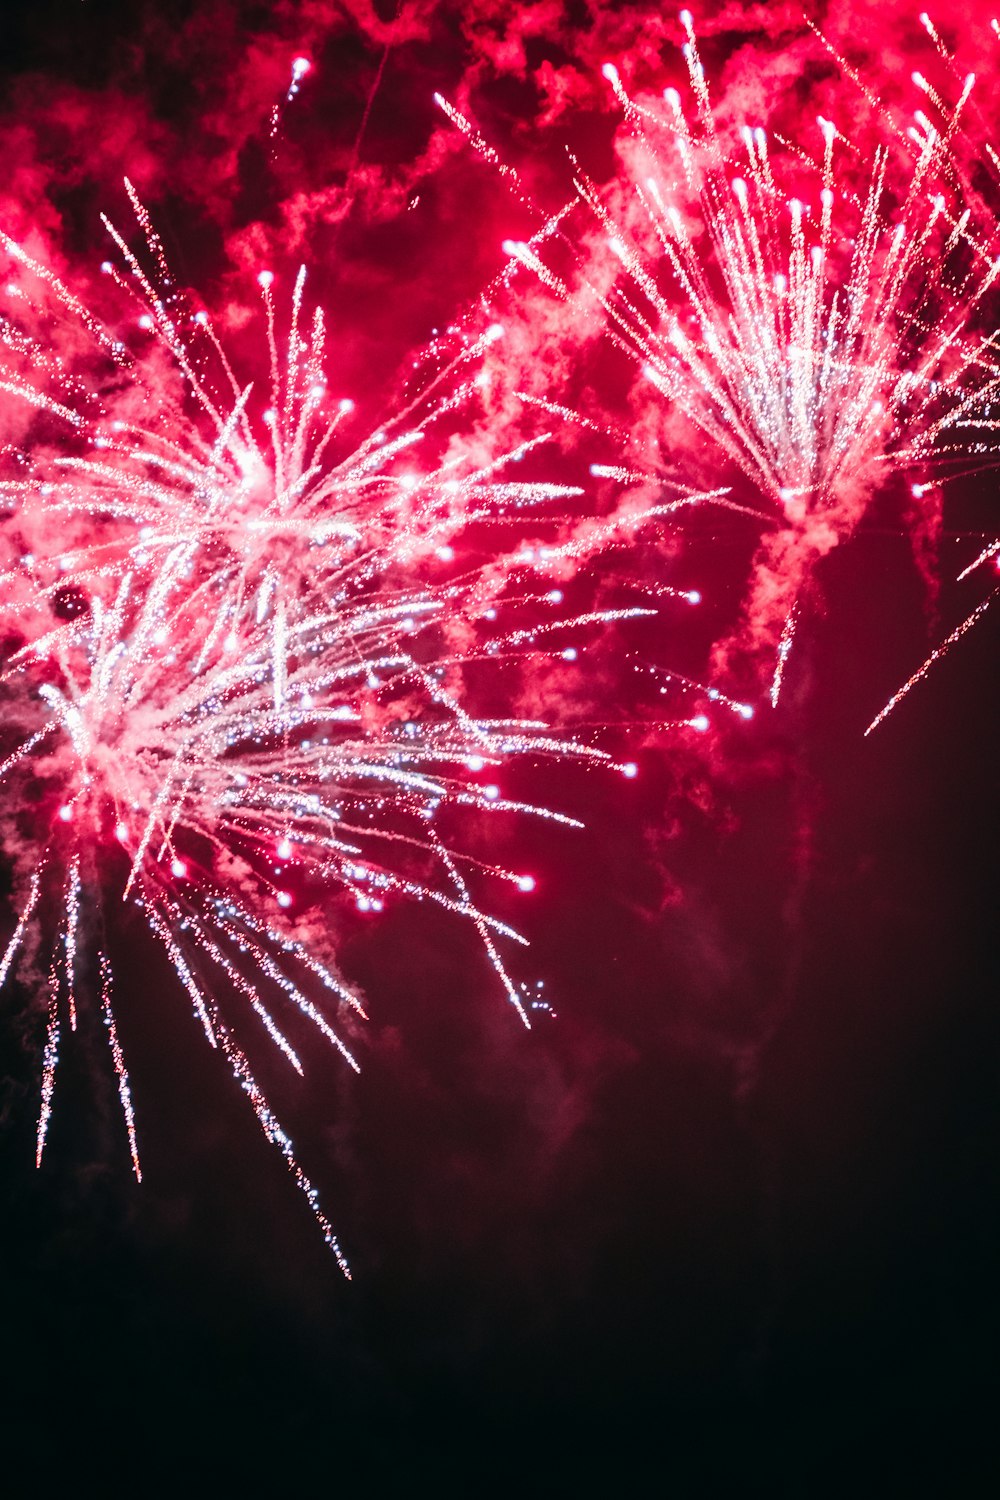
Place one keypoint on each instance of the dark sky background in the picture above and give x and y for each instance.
(730, 1217)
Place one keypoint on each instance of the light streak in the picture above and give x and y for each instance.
(936, 655)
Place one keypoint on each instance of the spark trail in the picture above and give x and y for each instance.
(935, 656)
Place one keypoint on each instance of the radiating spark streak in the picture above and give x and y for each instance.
(217, 1034)
(238, 982)
(279, 657)
(50, 1058)
(279, 942)
(23, 750)
(483, 147)
(546, 627)
(277, 1136)
(72, 898)
(271, 971)
(121, 1072)
(198, 1000)
(65, 297)
(27, 911)
(935, 656)
(703, 497)
(784, 649)
(220, 1037)
(714, 694)
(565, 413)
(498, 966)
(993, 550)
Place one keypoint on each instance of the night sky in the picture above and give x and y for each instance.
(728, 1219)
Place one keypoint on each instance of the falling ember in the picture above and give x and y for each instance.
(245, 649)
(300, 67)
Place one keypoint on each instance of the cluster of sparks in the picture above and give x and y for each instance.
(242, 643)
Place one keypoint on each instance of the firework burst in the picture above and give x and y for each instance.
(239, 677)
(813, 317)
